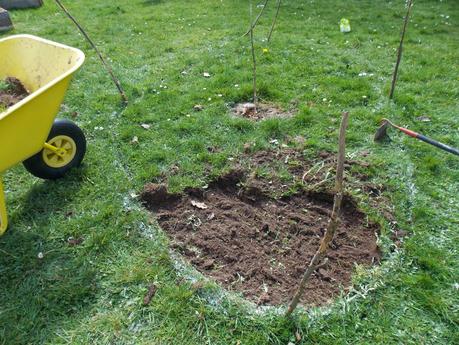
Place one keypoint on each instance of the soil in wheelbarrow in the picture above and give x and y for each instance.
(11, 92)
(237, 233)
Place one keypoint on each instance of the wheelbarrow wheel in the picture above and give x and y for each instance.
(69, 139)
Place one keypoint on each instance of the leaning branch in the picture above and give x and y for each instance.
(400, 49)
(274, 21)
(105, 63)
(252, 25)
(316, 261)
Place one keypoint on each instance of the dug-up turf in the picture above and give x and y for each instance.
(11, 92)
(259, 112)
(250, 242)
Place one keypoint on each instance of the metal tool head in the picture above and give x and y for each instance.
(381, 133)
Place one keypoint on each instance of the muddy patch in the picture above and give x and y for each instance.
(11, 92)
(259, 112)
(236, 232)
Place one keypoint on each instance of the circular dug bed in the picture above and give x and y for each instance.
(260, 246)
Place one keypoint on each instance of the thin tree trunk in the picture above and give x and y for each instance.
(105, 63)
(400, 49)
(334, 219)
(274, 21)
(254, 61)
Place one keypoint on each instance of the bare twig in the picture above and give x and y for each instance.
(105, 63)
(254, 60)
(150, 294)
(274, 21)
(400, 49)
(334, 219)
(253, 24)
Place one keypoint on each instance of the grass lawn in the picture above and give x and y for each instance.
(93, 293)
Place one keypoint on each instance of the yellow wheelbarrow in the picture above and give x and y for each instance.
(29, 132)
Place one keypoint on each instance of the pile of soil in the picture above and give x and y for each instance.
(11, 92)
(259, 112)
(237, 233)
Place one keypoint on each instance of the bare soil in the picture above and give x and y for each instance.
(13, 92)
(260, 112)
(237, 232)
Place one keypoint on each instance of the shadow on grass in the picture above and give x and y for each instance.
(43, 279)
(48, 198)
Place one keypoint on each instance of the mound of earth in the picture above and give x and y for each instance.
(11, 92)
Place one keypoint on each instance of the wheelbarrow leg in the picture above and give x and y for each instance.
(3, 215)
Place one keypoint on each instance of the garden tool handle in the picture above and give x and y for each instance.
(427, 140)
(435, 143)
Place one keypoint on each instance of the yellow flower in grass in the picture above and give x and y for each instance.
(265, 50)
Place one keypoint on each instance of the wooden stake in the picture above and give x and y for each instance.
(334, 219)
(400, 49)
(105, 63)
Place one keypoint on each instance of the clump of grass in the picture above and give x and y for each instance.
(4, 86)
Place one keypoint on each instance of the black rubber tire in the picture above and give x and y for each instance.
(37, 166)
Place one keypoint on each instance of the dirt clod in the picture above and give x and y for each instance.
(157, 194)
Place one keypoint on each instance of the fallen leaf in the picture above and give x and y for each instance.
(135, 140)
(145, 126)
(198, 107)
(206, 75)
(199, 205)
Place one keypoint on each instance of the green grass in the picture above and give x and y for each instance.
(93, 293)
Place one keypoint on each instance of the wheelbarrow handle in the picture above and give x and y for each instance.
(3, 215)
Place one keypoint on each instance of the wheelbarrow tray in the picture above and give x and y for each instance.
(45, 68)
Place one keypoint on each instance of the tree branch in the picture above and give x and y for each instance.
(274, 21)
(106, 64)
(400, 49)
(252, 25)
(334, 219)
